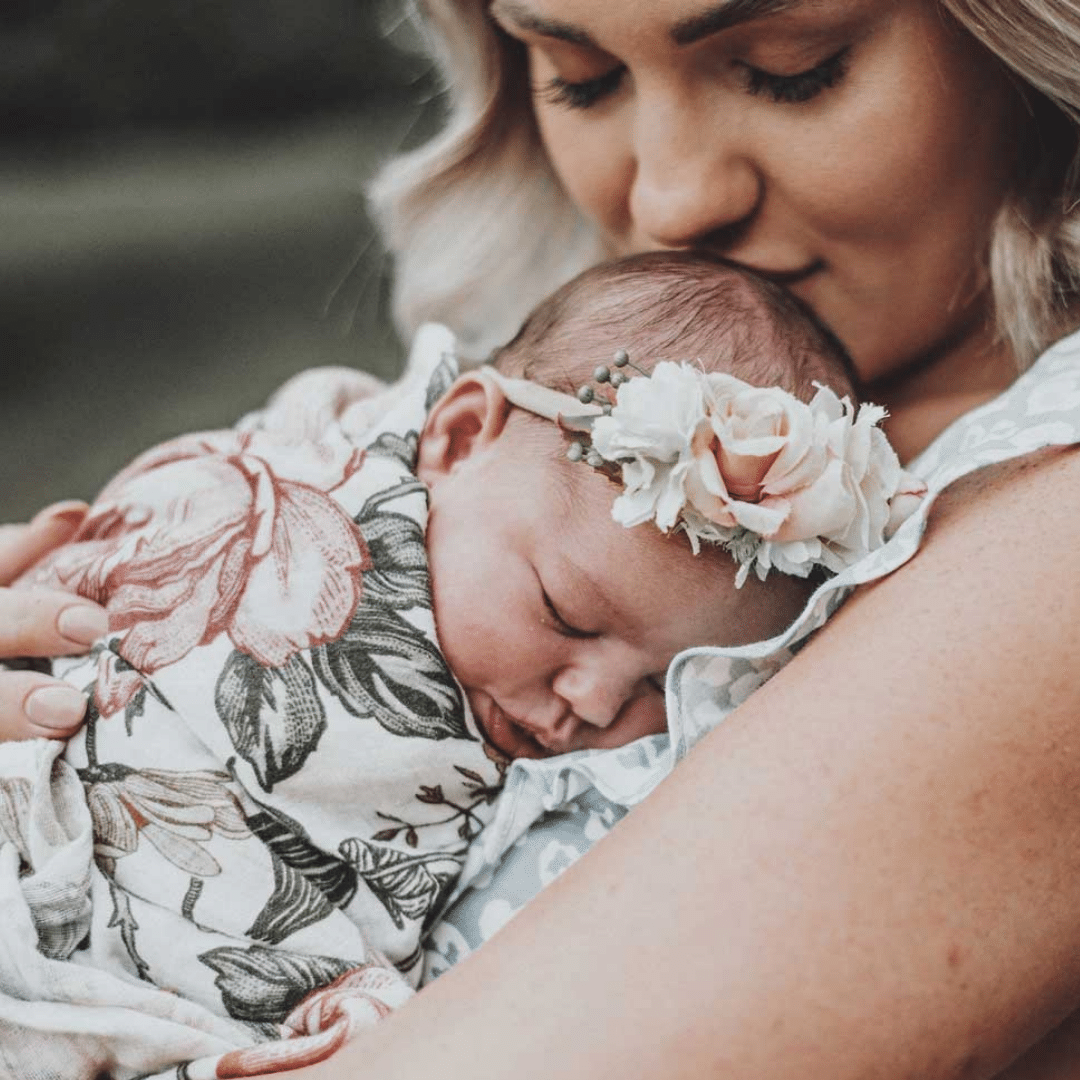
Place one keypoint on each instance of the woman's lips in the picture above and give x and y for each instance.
(786, 277)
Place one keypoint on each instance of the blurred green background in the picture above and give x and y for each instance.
(182, 220)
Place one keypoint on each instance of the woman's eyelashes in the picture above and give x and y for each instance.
(582, 95)
(793, 89)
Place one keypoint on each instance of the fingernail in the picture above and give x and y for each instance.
(82, 624)
(68, 512)
(55, 706)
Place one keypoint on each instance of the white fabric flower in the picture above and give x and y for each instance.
(650, 433)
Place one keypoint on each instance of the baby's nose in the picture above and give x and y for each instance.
(594, 696)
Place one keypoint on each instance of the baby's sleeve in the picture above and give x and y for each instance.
(310, 402)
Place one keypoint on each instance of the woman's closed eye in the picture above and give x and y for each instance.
(800, 86)
(783, 89)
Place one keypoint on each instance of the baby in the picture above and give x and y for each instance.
(333, 628)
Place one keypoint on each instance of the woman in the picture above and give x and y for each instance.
(872, 868)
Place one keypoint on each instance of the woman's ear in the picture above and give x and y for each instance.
(468, 417)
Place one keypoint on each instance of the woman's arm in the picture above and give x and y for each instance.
(41, 623)
(871, 869)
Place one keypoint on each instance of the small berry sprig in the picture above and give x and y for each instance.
(604, 377)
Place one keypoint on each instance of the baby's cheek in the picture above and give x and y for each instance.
(463, 644)
(767, 608)
(645, 716)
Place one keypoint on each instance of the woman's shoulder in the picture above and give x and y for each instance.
(985, 464)
(1001, 474)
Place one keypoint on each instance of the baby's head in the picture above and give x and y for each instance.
(559, 621)
(670, 305)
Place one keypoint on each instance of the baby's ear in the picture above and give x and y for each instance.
(468, 417)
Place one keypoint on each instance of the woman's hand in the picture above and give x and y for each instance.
(41, 623)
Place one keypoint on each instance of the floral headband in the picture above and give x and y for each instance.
(776, 481)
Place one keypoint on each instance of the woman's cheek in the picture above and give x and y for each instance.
(923, 134)
(593, 163)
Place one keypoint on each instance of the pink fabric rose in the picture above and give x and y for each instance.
(784, 483)
(756, 446)
(222, 533)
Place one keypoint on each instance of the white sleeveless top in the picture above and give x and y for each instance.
(553, 810)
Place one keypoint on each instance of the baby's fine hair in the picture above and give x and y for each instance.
(676, 306)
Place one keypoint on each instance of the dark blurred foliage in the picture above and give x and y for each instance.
(182, 218)
(69, 66)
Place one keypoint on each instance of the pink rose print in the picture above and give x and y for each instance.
(222, 533)
(320, 1024)
(177, 812)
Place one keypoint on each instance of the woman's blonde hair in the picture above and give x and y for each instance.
(481, 230)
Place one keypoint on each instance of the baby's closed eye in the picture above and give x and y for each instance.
(562, 624)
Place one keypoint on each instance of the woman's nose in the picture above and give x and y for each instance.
(693, 179)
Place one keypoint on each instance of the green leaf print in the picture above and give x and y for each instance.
(273, 715)
(295, 903)
(384, 667)
(260, 984)
(409, 886)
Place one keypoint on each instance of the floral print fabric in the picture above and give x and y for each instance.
(232, 533)
(265, 760)
(279, 776)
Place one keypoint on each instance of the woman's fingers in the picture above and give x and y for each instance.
(33, 705)
(41, 622)
(22, 545)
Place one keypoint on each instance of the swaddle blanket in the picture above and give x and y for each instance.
(279, 775)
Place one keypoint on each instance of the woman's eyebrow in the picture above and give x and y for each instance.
(723, 16)
(524, 19)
